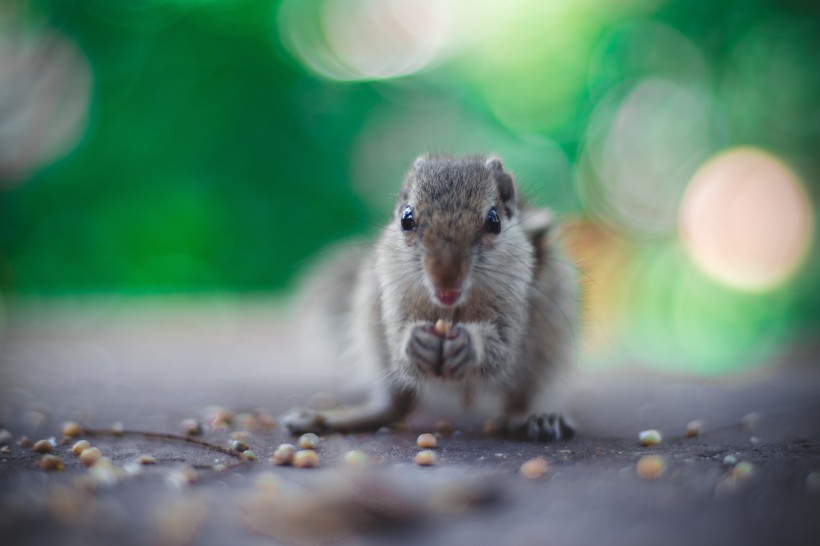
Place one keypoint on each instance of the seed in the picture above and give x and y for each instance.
(80, 446)
(146, 459)
(24, 442)
(90, 456)
(426, 457)
(43, 446)
(742, 470)
(730, 460)
(249, 455)
(117, 428)
(693, 428)
(191, 427)
(239, 445)
(284, 454)
(651, 467)
(306, 459)
(72, 429)
(5, 449)
(649, 437)
(219, 417)
(426, 441)
(308, 441)
(51, 462)
(356, 458)
(443, 327)
(535, 468)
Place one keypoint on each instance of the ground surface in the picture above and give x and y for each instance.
(154, 368)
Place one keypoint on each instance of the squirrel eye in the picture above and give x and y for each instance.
(408, 223)
(493, 223)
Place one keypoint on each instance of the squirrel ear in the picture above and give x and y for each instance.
(536, 221)
(504, 181)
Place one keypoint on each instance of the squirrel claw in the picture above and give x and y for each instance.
(302, 420)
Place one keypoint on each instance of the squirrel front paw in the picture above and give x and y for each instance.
(458, 355)
(424, 348)
(302, 420)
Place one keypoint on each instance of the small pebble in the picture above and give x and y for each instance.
(72, 429)
(356, 459)
(308, 441)
(43, 446)
(191, 427)
(239, 445)
(249, 455)
(117, 428)
(426, 458)
(743, 470)
(693, 428)
(651, 467)
(443, 327)
(535, 468)
(306, 459)
(730, 460)
(52, 462)
(146, 459)
(90, 456)
(284, 454)
(80, 446)
(649, 437)
(24, 442)
(426, 441)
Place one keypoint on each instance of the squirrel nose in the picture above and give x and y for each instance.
(446, 269)
(448, 296)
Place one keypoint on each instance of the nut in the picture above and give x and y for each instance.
(308, 441)
(284, 454)
(146, 459)
(51, 462)
(693, 428)
(426, 457)
(90, 456)
(426, 441)
(306, 459)
(651, 467)
(649, 437)
(80, 446)
(535, 468)
(43, 446)
(443, 327)
(356, 458)
(239, 445)
(72, 429)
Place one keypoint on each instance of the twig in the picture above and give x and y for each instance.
(163, 436)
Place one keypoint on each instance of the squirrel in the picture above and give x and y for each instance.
(467, 287)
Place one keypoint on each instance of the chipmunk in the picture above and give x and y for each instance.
(465, 248)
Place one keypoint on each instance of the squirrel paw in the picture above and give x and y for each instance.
(457, 354)
(303, 420)
(424, 348)
(543, 427)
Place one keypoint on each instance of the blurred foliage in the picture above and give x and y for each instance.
(216, 155)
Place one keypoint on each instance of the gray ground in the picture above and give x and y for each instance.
(155, 366)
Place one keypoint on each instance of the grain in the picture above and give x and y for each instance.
(43, 446)
(80, 446)
(443, 327)
(308, 441)
(72, 429)
(651, 467)
(284, 454)
(426, 458)
(535, 468)
(52, 462)
(306, 459)
(90, 456)
(693, 428)
(650, 437)
(426, 441)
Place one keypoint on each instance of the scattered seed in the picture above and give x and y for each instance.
(535, 468)
(117, 428)
(426, 457)
(146, 459)
(90, 456)
(308, 441)
(356, 459)
(426, 441)
(284, 454)
(42, 446)
(651, 467)
(80, 446)
(5, 437)
(191, 427)
(219, 467)
(306, 459)
(649, 437)
(693, 428)
(249, 455)
(72, 429)
(219, 417)
(443, 327)
(5, 449)
(24, 442)
(743, 470)
(239, 445)
(730, 460)
(51, 462)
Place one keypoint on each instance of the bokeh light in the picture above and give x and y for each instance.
(747, 220)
